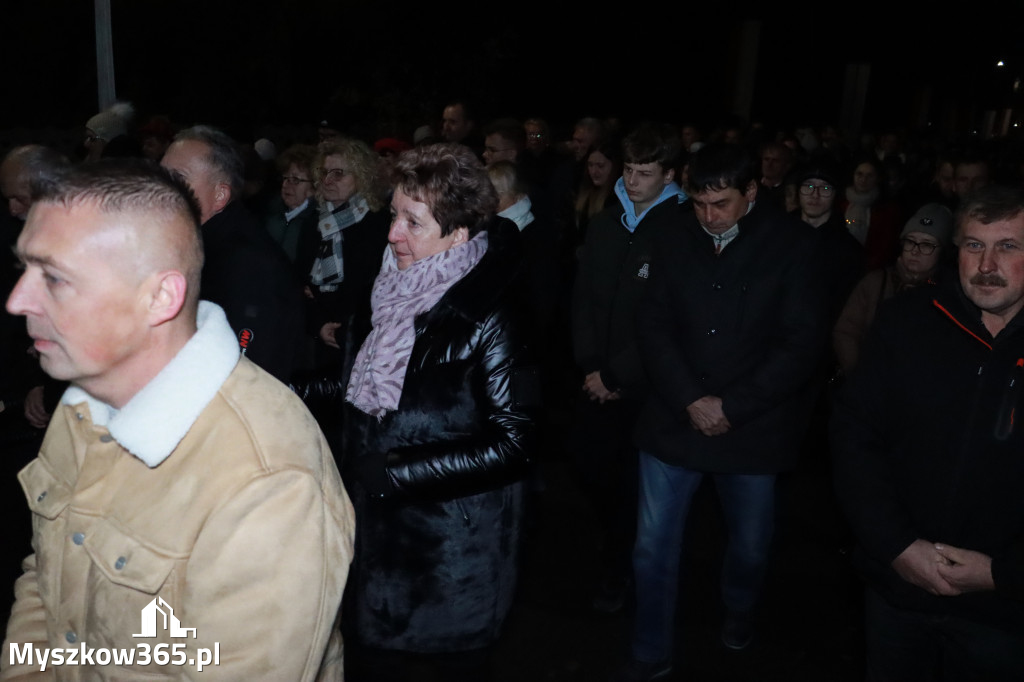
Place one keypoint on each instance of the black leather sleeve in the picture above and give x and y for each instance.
(499, 452)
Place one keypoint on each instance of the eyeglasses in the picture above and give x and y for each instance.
(332, 173)
(293, 180)
(925, 248)
(824, 191)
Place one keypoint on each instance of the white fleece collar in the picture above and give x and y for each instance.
(155, 420)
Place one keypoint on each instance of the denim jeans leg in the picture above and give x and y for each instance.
(665, 493)
(748, 506)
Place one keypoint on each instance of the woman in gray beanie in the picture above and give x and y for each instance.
(924, 240)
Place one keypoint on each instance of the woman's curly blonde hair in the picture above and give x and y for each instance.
(363, 164)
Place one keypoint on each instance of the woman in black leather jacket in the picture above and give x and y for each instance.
(437, 430)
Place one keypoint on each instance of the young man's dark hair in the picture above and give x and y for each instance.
(652, 143)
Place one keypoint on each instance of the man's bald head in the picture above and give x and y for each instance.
(156, 210)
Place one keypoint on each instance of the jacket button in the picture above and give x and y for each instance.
(70, 636)
(119, 564)
(79, 416)
(78, 538)
(712, 332)
(41, 496)
(106, 438)
(716, 286)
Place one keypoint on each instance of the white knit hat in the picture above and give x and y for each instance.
(112, 122)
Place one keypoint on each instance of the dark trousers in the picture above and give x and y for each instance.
(606, 470)
(907, 646)
(364, 664)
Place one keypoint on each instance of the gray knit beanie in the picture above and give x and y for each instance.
(932, 219)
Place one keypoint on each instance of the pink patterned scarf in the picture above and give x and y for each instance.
(398, 297)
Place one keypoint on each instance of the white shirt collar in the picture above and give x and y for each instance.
(290, 215)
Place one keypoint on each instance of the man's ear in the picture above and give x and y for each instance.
(751, 194)
(670, 175)
(221, 197)
(169, 290)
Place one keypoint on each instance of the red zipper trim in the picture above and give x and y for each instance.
(960, 324)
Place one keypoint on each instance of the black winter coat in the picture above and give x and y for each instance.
(611, 279)
(362, 247)
(928, 444)
(437, 556)
(747, 326)
(249, 276)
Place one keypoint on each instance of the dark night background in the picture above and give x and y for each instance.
(270, 62)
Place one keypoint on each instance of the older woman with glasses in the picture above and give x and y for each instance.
(924, 240)
(352, 231)
(291, 218)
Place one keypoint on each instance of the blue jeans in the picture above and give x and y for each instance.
(748, 505)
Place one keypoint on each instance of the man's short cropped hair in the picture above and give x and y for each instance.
(223, 155)
(36, 161)
(721, 165)
(989, 204)
(128, 185)
(592, 125)
(653, 143)
(119, 185)
(468, 109)
(508, 129)
(451, 180)
(541, 123)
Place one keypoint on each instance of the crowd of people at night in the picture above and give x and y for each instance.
(311, 384)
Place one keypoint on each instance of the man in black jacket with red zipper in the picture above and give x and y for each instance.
(930, 462)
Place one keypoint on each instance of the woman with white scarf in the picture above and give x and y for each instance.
(438, 427)
(872, 218)
(343, 254)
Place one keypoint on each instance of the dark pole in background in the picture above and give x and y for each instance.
(104, 55)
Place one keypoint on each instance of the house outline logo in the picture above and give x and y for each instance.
(170, 622)
(644, 271)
